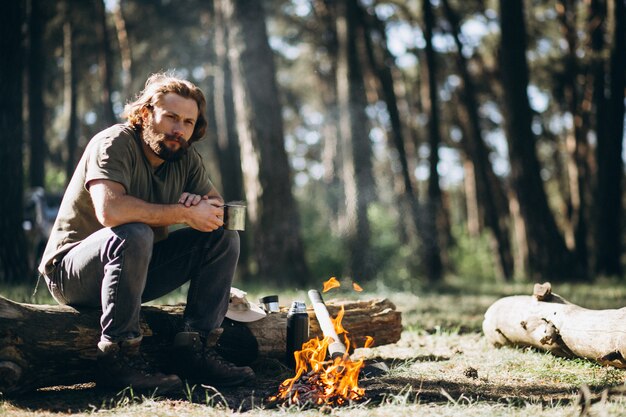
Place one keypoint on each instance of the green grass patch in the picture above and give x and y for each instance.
(442, 365)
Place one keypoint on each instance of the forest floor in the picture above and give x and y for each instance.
(442, 366)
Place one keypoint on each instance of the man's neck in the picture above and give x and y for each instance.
(152, 157)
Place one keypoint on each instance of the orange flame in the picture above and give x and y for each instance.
(319, 381)
(330, 284)
(356, 287)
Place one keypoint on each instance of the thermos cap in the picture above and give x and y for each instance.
(298, 307)
(269, 299)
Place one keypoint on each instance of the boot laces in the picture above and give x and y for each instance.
(138, 362)
(210, 355)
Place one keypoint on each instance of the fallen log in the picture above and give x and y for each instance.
(548, 322)
(49, 345)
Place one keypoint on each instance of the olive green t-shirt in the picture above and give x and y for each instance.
(116, 154)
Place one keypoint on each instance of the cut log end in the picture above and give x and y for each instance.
(10, 374)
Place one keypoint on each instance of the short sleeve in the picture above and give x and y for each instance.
(112, 158)
(198, 181)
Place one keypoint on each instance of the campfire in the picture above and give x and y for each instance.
(324, 376)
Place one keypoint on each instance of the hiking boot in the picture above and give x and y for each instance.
(121, 365)
(199, 363)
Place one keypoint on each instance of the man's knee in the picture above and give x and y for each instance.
(231, 242)
(223, 244)
(137, 239)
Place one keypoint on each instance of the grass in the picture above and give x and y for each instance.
(442, 366)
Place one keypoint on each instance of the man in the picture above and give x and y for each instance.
(110, 248)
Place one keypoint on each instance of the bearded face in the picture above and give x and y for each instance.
(162, 144)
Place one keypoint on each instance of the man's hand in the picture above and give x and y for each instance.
(207, 215)
(188, 199)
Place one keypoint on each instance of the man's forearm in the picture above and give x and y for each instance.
(114, 207)
(124, 209)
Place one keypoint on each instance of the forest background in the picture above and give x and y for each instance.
(403, 142)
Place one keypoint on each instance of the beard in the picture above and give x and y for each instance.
(157, 143)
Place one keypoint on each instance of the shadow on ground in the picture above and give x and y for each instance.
(379, 388)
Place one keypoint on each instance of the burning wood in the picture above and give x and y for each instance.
(319, 381)
(335, 347)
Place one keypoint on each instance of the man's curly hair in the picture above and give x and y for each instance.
(156, 87)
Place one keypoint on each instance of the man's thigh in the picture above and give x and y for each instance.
(81, 270)
(176, 259)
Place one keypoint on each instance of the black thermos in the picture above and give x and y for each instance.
(297, 330)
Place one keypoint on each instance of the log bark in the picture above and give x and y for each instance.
(548, 322)
(48, 345)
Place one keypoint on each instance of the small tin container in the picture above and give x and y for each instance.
(270, 303)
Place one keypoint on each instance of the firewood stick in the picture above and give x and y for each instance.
(336, 348)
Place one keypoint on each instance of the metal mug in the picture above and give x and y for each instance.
(235, 216)
(270, 303)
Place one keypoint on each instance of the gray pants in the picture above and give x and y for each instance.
(118, 268)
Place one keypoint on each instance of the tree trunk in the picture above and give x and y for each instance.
(412, 104)
(487, 186)
(433, 206)
(548, 322)
(227, 143)
(548, 257)
(45, 345)
(125, 51)
(473, 218)
(359, 185)
(267, 178)
(576, 140)
(36, 109)
(381, 61)
(609, 156)
(106, 63)
(331, 145)
(70, 91)
(597, 112)
(13, 261)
